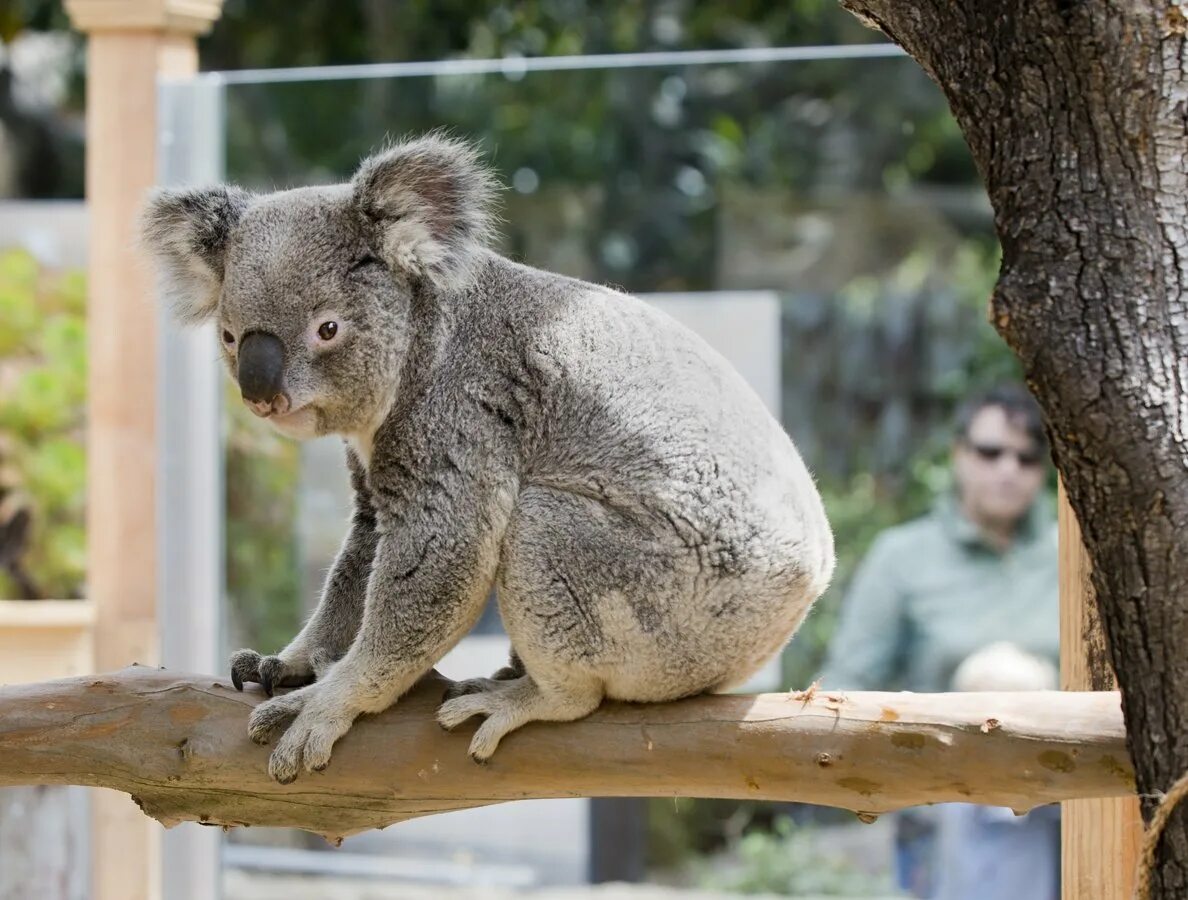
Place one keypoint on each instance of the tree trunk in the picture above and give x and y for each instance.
(179, 745)
(1075, 111)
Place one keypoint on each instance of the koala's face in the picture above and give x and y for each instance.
(311, 289)
(311, 322)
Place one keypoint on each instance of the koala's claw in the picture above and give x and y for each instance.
(245, 666)
(307, 744)
(312, 722)
(270, 672)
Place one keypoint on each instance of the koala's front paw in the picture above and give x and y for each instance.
(269, 672)
(317, 722)
(274, 715)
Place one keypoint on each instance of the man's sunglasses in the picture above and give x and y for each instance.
(993, 452)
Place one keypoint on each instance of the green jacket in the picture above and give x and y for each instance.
(931, 592)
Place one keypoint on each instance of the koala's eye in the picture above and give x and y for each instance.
(327, 330)
(228, 337)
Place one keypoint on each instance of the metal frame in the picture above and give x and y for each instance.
(190, 507)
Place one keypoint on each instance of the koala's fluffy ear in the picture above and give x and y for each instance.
(430, 201)
(186, 232)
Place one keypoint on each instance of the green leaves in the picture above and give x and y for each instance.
(54, 473)
(18, 302)
(794, 862)
(43, 376)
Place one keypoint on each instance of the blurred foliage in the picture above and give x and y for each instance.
(42, 392)
(649, 155)
(41, 128)
(747, 847)
(42, 450)
(263, 571)
(272, 33)
(31, 15)
(792, 861)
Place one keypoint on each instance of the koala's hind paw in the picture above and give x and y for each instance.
(500, 709)
(509, 704)
(469, 686)
(270, 672)
(510, 672)
(460, 707)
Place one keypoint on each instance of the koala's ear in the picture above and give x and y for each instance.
(430, 202)
(186, 233)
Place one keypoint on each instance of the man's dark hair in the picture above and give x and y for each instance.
(1020, 407)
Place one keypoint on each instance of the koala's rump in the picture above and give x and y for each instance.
(645, 417)
(668, 539)
(584, 586)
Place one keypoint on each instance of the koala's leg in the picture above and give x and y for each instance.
(597, 602)
(513, 669)
(562, 555)
(509, 704)
(434, 566)
(331, 629)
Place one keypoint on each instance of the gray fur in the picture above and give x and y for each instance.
(650, 528)
(188, 232)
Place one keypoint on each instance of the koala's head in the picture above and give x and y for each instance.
(310, 289)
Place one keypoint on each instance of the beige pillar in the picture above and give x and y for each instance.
(1100, 838)
(129, 44)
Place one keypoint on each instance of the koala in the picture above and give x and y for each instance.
(650, 529)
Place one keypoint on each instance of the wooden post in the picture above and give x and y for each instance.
(1100, 839)
(130, 43)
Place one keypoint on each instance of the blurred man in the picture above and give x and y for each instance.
(979, 569)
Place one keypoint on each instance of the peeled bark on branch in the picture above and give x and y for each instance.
(178, 744)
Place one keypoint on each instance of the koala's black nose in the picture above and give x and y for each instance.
(261, 366)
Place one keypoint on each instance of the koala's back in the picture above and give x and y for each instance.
(710, 536)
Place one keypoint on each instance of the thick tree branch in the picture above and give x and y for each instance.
(178, 744)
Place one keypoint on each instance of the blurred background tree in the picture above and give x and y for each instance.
(41, 100)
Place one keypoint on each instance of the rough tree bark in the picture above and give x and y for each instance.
(179, 745)
(1075, 111)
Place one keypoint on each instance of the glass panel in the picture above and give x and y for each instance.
(839, 187)
(813, 213)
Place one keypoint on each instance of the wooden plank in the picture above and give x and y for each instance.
(1100, 839)
(49, 614)
(122, 70)
(45, 639)
(130, 44)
